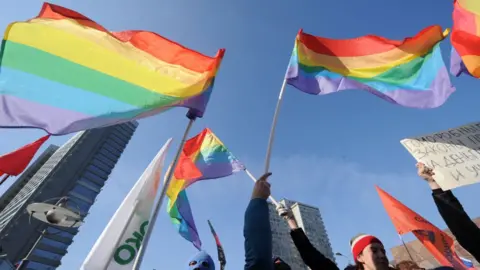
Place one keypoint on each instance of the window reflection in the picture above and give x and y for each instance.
(74, 204)
(108, 161)
(58, 232)
(86, 192)
(47, 254)
(50, 242)
(109, 153)
(97, 171)
(39, 266)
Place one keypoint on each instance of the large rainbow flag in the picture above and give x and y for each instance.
(465, 38)
(408, 72)
(63, 73)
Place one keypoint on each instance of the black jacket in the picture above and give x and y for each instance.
(462, 227)
(311, 256)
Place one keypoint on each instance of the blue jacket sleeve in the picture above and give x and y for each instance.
(258, 236)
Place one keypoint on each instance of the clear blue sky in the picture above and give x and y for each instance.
(329, 150)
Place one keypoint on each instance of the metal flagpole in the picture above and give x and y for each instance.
(406, 248)
(4, 178)
(153, 218)
(274, 125)
(255, 180)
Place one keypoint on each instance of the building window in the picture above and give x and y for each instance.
(39, 266)
(75, 204)
(47, 254)
(105, 151)
(112, 150)
(96, 170)
(90, 184)
(94, 178)
(50, 242)
(102, 165)
(85, 192)
(58, 232)
(104, 159)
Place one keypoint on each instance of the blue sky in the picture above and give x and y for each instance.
(329, 150)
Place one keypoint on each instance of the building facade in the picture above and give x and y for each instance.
(78, 170)
(423, 257)
(310, 220)
(19, 183)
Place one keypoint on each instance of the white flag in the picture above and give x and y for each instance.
(128, 225)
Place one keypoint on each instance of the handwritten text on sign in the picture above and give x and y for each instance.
(454, 155)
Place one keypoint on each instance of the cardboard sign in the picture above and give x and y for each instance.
(454, 155)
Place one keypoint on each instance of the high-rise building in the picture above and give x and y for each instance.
(19, 183)
(310, 220)
(423, 257)
(77, 170)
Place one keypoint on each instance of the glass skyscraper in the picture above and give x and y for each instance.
(309, 219)
(78, 170)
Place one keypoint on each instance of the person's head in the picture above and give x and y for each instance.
(369, 253)
(279, 264)
(408, 265)
(201, 261)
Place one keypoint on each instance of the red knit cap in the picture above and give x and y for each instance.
(361, 242)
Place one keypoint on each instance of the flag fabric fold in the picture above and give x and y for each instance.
(128, 225)
(405, 220)
(408, 72)
(181, 215)
(63, 72)
(221, 254)
(465, 38)
(14, 163)
(206, 157)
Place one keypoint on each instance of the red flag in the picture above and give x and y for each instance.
(15, 162)
(405, 220)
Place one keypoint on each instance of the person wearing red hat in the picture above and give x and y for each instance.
(369, 253)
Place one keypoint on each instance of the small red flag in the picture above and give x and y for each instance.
(14, 163)
(405, 220)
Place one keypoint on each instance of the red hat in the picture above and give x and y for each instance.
(361, 242)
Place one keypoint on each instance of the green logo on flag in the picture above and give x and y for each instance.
(127, 252)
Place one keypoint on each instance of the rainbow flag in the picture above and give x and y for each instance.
(465, 38)
(209, 156)
(63, 73)
(410, 73)
(181, 215)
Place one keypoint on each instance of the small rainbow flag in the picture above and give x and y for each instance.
(465, 38)
(410, 73)
(209, 156)
(181, 215)
(63, 73)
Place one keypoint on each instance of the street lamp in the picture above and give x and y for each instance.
(52, 214)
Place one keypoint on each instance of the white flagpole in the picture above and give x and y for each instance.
(274, 125)
(255, 180)
(153, 218)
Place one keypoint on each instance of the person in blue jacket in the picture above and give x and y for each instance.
(256, 228)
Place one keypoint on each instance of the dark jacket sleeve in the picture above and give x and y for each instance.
(258, 236)
(311, 256)
(463, 228)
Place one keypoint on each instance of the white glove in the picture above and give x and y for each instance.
(284, 212)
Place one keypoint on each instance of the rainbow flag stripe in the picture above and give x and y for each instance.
(410, 73)
(182, 218)
(63, 73)
(465, 38)
(210, 157)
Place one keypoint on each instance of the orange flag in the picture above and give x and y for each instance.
(405, 220)
(15, 162)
